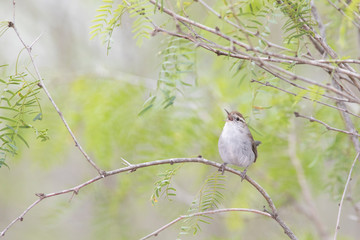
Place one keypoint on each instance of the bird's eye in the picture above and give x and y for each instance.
(237, 119)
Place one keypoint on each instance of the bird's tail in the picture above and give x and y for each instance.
(257, 143)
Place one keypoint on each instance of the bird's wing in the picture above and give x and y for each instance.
(254, 148)
(254, 145)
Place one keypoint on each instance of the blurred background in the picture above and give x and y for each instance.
(101, 96)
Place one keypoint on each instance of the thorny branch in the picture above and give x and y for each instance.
(133, 167)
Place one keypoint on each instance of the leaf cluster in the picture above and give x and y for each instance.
(163, 187)
(178, 71)
(19, 104)
(209, 197)
(298, 14)
(110, 17)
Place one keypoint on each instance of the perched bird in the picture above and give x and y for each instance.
(236, 144)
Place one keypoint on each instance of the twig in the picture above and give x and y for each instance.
(343, 196)
(343, 13)
(134, 167)
(316, 15)
(43, 86)
(242, 29)
(155, 233)
(233, 53)
(328, 127)
(267, 84)
(217, 32)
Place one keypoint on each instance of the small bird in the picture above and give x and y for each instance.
(236, 144)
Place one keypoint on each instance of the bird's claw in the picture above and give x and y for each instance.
(243, 174)
(222, 168)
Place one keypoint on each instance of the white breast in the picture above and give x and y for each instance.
(235, 146)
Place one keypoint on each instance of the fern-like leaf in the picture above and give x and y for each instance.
(19, 102)
(110, 16)
(163, 186)
(208, 198)
(178, 70)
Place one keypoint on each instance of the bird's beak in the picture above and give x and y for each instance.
(229, 117)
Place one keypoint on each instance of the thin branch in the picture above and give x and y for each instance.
(259, 61)
(291, 82)
(317, 17)
(134, 167)
(43, 86)
(348, 121)
(344, 14)
(343, 196)
(155, 233)
(267, 84)
(328, 127)
(241, 28)
(217, 32)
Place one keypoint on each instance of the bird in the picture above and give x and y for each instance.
(236, 144)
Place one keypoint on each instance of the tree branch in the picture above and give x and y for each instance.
(155, 233)
(267, 84)
(134, 167)
(233, 52)
(43, 86)
(343, 196)
(328, 127)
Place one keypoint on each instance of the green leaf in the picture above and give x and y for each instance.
(38, 117)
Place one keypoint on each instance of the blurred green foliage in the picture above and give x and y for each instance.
(104, 113)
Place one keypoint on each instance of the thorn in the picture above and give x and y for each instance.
(40, 195)
(103, 173)
(200, 156)
(126, 163)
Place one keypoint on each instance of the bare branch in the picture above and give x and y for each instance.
(344, 14)
(260, 62)
(134, 167)
(43, 86)
(343, 196)
(267, 84)
(242, 29)
(155, 233)
(317, 17)
(328, 127)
